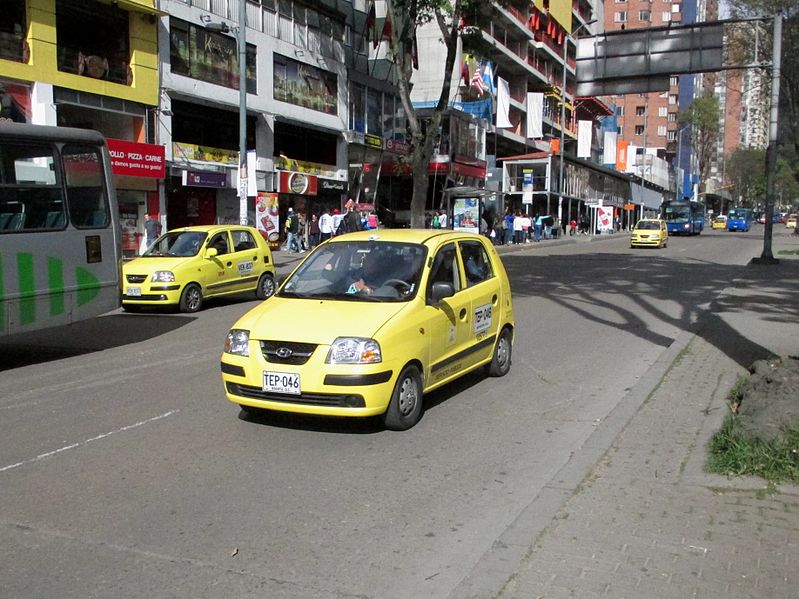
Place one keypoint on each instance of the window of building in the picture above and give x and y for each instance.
(640, 110)
(357, 108)
(666, 16)
(644, 15)
(304, 85)
(675, 8)
(674, 81)
(92, 40)
(374, 113)
(639, 129)
(620, 17)
(673, 99)
(672, 117)
(663, 111)
(662, 130)
(620, 110)
(672, 135)
(208, 56)
(13, 28)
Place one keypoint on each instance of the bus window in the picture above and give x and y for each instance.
(86, 197)
(30, 197)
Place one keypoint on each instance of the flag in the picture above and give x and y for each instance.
(503, 104)
(584, 139)
(370, 30)
(477, 80)
(387, 30)
(535, 115)
(488, 78)
(610, 151)
(465, 71)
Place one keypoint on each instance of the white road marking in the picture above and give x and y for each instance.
(87, 441)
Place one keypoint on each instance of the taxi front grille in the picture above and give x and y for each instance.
(135, 278)
(287, 352)
(338, 400)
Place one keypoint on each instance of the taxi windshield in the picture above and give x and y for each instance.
(177, 243)
(359, 271)
(648, 224)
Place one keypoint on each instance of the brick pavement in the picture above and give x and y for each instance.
(648, 522)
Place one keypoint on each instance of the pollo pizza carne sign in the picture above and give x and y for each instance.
(136, 159)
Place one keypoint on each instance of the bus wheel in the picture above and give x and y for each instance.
(191, 300)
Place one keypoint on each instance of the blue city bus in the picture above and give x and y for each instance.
(683, 217)
(739, 219)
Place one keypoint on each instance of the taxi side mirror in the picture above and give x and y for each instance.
(440, 291)
(211, 252)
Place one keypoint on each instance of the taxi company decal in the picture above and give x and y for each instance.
(245, 268)
(298, 183)
(482, 318)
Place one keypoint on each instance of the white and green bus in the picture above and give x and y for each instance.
(59, 229)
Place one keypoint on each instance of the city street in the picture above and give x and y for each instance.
(124, 471)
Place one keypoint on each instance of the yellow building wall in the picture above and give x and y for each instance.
(43, 64)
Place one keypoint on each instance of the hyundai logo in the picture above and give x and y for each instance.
(284, 352)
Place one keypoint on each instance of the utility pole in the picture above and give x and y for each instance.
(767, 257)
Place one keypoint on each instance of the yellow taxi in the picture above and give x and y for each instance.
(186, 266)
(369, 322)
(720, 222)
(649, 232)
(790, 221)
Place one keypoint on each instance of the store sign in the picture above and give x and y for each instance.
(398, 147)
(373, 141)
(204, 153)
(136, 159)
(297, 183)
(201, 179)
(332, 185)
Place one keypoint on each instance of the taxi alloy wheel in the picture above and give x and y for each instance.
(191, 300)
(405, 408)
(266, 286)
(503, 350)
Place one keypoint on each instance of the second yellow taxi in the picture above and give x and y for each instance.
(186, 266)
(369, 322)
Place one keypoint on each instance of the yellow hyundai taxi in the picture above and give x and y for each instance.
(720, 222)
(186, 266)
(649, 232)
(369, 322)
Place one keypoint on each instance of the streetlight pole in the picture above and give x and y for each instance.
(563, 116)
(241, 47)
(241, 42)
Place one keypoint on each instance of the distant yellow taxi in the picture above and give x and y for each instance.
(790, 221)
(649, 232)
(720, 222)
(369, 322)
(186, 266)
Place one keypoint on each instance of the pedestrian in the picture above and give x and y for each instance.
(508, 226)
(292, 230)
(325, 226)
(434, 221)
(350, 222)
(442, 219)
(518, 230)
(371, 221)
(498, 235)
(526, 227)
(313, 231)
(538, 226)
(337, 216)
(572, 227)
(556, 227)
(152, 230)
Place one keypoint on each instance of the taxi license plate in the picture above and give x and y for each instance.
(282, 382)
(133, 291)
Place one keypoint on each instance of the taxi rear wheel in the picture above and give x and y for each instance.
(503, 350)
(191, 300)
(266, 287)
(405, 408)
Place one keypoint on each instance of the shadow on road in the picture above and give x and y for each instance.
(84, 337)
(769, 292)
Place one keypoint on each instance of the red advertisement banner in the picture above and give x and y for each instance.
(137, 159)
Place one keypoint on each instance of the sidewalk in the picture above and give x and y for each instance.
(647, 521)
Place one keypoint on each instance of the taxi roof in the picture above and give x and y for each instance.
(207, 228)
(423, 236)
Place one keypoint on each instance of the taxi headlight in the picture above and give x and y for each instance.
(237, 342)
(163, 276)
(354, 350)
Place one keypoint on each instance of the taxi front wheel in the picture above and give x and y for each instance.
(405, 408)
(266, 287)
(191, 300)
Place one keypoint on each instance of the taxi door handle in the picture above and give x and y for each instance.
(463, 314)
(230, 264)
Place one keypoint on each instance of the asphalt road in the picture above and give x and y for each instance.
(124, 472)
